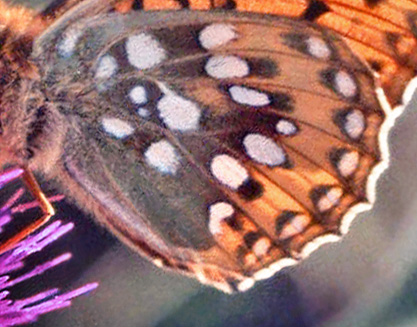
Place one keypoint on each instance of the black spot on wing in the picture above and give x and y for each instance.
(375, 65)
(251, 238)
(184, 3)
(282, 101)
(373, 3)
(184, 42)
(250, 190)
(228, 5)
(137, 5)
(234, 223)
(263, 67)
(315, 9)
(191, 69)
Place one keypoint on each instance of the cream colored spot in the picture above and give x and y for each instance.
(250, 259)
(261, 247)
(217, 213)
(138, 95)
(226, 67)
(295, 226)
(158, 262)
(106, 67)
(144, 52)
(143, 112)
(249, 97)
(264, 150)
(348, 163)
(228, 171)
(68, 43)
(345, 84)
(330, 199)
(163, 156)
(116, 127)
(318, 48)
(285, 127)
(179, 113)
(354, 124)
(216, 35)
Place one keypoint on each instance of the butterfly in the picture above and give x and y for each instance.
(223, 140)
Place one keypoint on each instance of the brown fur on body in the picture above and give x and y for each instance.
(19, 108)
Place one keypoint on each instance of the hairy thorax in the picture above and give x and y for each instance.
(26, 116)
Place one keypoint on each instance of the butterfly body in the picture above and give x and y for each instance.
(222, 145)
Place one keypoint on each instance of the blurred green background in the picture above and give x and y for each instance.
(368, 279)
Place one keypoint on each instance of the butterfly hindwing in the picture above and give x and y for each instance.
(216, 144)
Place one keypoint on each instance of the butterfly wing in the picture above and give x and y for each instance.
(220, 145)
(382, 32)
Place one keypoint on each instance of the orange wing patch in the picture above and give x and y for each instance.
(382, 33)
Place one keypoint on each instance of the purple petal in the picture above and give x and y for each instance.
(24, 311)
(9, 176)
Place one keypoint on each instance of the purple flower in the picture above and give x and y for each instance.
(23, 311)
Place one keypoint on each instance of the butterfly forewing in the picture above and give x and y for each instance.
(382, 32)
(213, 143)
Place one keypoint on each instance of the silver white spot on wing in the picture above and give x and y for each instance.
(177, 112)
(162, 156)
(354, 124)
(227, 67)
(345, 84)
(286, 127)
(138, 95)
(264, 150)
(295, 226)
(144, 52)
(228, 171)
(348, 163)
(318, 48)
(247, 96)
(216, 35)
(158, 262)
(106, 67)
(217, 213)
(330, 199)
(116, 127)
(143, 112)
(261, 247)
(66, 46)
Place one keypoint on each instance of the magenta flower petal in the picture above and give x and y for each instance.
(10, 175)
(28, 310)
